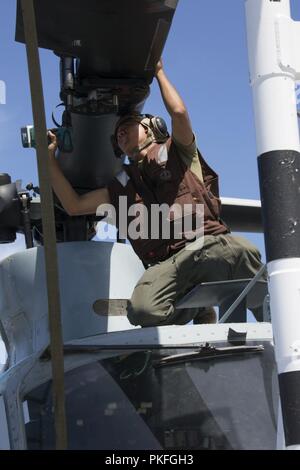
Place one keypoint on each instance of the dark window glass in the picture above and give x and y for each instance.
(128, 403)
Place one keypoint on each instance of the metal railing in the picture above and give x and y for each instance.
(243, 294)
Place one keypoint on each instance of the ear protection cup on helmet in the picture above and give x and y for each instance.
(159, 127)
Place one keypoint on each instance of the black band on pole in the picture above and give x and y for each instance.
(279, 173)
(289, 384)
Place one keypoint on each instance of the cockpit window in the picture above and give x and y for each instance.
(127, 403)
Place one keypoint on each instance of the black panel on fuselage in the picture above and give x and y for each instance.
(112, 38)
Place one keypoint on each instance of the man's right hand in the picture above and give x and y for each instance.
(158, 67)
(53, 145)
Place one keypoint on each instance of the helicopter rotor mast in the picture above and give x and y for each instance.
(273, 37)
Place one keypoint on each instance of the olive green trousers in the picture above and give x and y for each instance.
(221, 258)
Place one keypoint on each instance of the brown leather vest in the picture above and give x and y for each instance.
(169, 182)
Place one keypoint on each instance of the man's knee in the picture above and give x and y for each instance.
(249, 254)
(144, 311)
(254, 253)
(245, 246)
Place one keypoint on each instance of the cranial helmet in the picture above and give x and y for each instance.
(156, 126)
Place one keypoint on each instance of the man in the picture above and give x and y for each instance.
(166, 170)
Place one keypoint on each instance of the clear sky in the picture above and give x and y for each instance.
(206, 59)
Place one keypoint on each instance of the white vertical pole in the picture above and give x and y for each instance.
(274, 68)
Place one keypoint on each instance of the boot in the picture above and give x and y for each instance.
(205, 315)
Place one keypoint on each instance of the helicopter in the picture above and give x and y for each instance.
(128, 388)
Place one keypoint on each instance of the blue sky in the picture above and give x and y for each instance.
(206, 59)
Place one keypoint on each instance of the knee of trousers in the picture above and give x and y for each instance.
(250, 252)
(144, 311)
(254, 260)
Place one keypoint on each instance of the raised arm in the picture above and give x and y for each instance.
(181, 126)
(70, 200)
